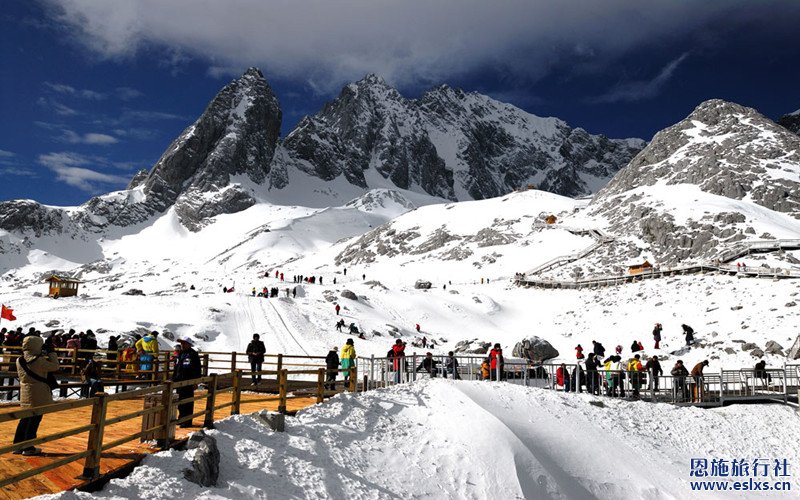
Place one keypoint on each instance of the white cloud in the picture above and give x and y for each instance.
(644, 89)
(56, 107)
(325, 43)
(6, 154)
(72, 91)
(17, 171)
(128, 93)
(70, 168)
(94, 138)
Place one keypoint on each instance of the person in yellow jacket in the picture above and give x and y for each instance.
(348, 357)
(485, 370)
(147, 347)
(634, 369)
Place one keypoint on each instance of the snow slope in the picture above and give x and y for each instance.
(446, 439)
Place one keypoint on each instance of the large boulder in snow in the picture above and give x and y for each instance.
(773, 347)
(473, 346)
(205, 462)
(535, 348)
(422, 285)
(349, 295)
(794, 352)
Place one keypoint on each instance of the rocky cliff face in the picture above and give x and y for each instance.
(791, 121)
(235, 136)
(721, 149)
(448, 143)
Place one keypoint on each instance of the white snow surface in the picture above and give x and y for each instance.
(460, 440)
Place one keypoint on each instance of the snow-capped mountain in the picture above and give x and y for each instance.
(448, 143)
(723, 174)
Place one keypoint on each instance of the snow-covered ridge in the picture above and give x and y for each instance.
(539, 444)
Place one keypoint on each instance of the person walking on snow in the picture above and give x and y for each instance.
(332, 368)
(657, 335)
(255, 355)
(348, 358)
(417, 327)
(337, 309)
(424, 342)
(579, 352)
(688, 331)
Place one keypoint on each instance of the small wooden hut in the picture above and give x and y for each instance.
(639, 267)
(550, 219)
(62, 286)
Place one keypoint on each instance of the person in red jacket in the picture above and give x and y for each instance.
(417, 327)
(398, 355)
(337, 309)
(496, 361)
(579, 352)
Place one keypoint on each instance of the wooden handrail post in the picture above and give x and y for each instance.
(205, 364)
(353, 381)
(167, 433)
(237, 392)
(280, 362)
(166, 371)
(211, 401)
(156, 363)
(74, 361)
(233, 361)
(320, 385)
(118, 368)
(91, 467)
(282, 376)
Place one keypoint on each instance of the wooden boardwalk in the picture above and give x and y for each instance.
(65, 477)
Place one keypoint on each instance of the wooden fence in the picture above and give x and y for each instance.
(163, 426)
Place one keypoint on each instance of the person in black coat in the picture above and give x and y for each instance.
(429, 365)
(113, 346)
(187, 367)
(255, 355)
(592, 380)
(332, 365)
(598, 349)
(654, 367)
(688, 331)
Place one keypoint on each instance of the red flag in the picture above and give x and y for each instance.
(7, 313)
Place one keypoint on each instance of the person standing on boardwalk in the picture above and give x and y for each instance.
(32, 368)
(348, 358)
(654, 367)
(398, 359)
(187, 367)
(697, 376)
(679, 374)
(332, 368)
(255, 355)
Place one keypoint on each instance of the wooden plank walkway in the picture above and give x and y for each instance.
(64, 478)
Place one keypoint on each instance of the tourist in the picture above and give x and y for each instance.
(451, 364)
(187, 367)
(653, 366)
(255, 355)
(33, 367)
(688, 332)
(348, 357)
(657, 335)
(697, 377)
(496, 362)
(592, 381)
(332, 368)
(679, 374)
(429, 365)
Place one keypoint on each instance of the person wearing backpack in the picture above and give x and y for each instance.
(33, 368)
(634, 369)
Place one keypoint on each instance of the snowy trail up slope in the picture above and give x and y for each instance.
(257, 315)
(473, 440)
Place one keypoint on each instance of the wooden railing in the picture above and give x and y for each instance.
(164, 427)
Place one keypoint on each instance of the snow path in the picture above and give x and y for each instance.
(258, 315)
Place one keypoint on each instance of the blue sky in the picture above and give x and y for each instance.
(91, 91)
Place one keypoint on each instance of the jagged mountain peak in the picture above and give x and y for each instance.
(791, 121)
